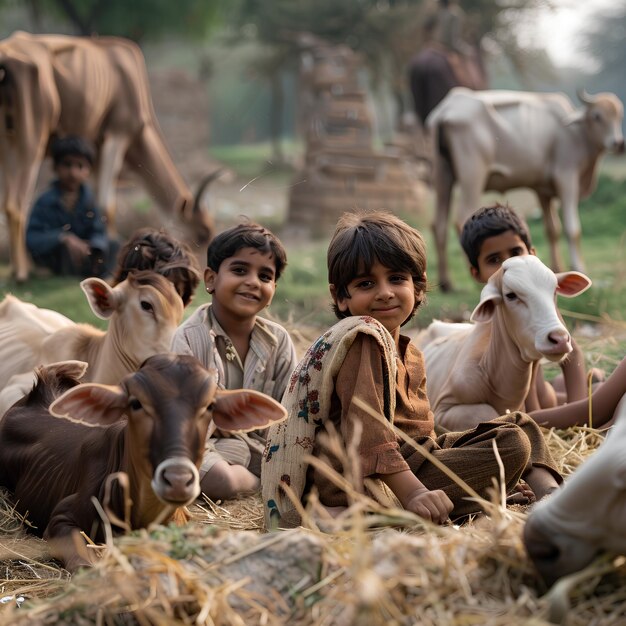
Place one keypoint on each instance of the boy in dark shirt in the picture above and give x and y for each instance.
(66, 231)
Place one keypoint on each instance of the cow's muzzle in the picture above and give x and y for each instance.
(176, 481)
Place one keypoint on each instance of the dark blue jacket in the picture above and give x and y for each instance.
(49, 218)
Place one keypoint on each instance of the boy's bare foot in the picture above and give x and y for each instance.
(522, 494)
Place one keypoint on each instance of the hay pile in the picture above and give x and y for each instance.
(384, 567)
(372, 567)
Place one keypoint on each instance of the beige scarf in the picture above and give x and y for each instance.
(307, 400)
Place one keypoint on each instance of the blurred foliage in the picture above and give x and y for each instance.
(605, 40)
(138, 20)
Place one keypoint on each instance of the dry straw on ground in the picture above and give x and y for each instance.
(373, 566)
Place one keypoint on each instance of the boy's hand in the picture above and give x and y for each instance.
(434, 506)
(77, 248)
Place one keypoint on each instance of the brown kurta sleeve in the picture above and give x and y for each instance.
(413, 415)
(362, 376)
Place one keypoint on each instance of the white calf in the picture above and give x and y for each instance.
(483, 370)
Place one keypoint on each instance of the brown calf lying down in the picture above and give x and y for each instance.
(140, 464)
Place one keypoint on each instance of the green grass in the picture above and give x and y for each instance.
(252, 160)
(302, 293)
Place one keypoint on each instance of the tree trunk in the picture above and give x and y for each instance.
(276, 117)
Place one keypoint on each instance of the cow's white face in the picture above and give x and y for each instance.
(604, 122)
(525, 289)
(565, 532)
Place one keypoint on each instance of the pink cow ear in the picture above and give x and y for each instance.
(570, 284)
(244, 409)
(102, 298)
(91, 404)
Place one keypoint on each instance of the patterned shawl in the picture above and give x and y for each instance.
(307, 400)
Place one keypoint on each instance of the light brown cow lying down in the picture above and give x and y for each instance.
(143, 313)
(484, 370)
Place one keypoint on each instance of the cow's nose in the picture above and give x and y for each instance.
(178, 477)
(176, 480)
(559, 341)
(619, 147)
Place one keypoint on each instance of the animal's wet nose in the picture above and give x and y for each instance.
(559, 340)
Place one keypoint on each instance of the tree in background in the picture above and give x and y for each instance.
(605, 40)
(137, 20)
(386, 32)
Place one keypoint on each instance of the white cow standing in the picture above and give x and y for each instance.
(486, 369)
(501, 140)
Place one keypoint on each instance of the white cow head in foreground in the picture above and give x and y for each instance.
(564, 533)
(525, 288)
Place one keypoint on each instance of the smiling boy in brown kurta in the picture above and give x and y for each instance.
(377, 279)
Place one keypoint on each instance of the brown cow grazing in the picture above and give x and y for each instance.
(95, 88)
(140, 466)
(143, 313)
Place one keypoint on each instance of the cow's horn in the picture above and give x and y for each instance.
(585, 97)
(204, 183)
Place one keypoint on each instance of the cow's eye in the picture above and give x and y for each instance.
(146, 306)
(211, 406)
(134, 404)
(511, 296)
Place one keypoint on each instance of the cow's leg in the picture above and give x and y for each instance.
(17, 198)
(552, 225)
(16, 221)
(444, 181)
(109, 167)
(571, 221)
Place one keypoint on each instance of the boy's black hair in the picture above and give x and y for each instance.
(491, 221)
(152, 249)
(361, 239)
(246, 235)
(72, 145)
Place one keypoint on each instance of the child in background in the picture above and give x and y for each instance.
(66, 231)
(152, 249)
(377, 276)
(489, 237)
(247, 351)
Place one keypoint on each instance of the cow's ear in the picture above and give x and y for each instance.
(102, 298)
(91, 404)
(67, 369)
(570, 284)
(243, 410)
(490, 297)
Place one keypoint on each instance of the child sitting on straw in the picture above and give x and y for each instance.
(363, 365)
(246, 351)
